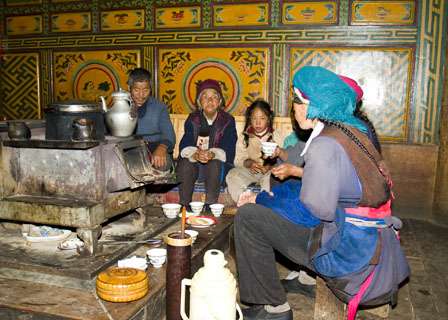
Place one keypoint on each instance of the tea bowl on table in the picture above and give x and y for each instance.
(196, 207)
(171, 210)
(217, 209)
(157, 256)
(193, 235)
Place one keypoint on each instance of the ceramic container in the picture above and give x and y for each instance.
(171, 210)
(196, 207)
(269, 148)
(157, 256)
(217, 209)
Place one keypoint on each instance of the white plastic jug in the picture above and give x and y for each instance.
(212, 291)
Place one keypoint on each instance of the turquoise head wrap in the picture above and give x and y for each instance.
(330, 97)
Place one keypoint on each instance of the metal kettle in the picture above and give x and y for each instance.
(120, 118)
(212, 291)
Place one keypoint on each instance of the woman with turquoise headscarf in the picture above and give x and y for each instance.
(336, 221)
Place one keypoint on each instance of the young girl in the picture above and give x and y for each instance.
(249, 164)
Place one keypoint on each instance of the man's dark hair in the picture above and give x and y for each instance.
(139, 75)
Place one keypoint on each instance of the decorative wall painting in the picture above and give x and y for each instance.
(87, 75)
(243, 73)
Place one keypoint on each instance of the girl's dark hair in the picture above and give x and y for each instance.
(266, 108)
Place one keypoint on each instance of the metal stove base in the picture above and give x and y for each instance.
(44, 262)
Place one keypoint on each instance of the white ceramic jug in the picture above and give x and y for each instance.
(119, 118)
(212, 291)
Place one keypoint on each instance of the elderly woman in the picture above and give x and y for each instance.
(207, 149)
(336, 221)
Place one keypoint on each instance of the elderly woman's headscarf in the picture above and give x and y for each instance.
(330, 97)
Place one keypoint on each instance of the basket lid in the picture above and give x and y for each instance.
(122, 276)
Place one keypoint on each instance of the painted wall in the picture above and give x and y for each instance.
(58, 49)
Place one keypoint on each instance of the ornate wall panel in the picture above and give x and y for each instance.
(384, 75)
(240, 15)
(23, 25)
(428, 82)
(413, 32)
(173, 17)
(122, 20)
(20, 85)
(309, 12)
(87, 75)
(242, 71)
(383, 12)
(71, 22)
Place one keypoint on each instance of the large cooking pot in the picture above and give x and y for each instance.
(61, 114)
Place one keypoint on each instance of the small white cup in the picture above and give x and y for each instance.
(157, 256)
(196, 207)
(269, 147)
(171, 210)
(193, 235)
(217, 209)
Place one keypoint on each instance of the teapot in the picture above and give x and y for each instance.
(82, 130)
(18, 130)
(120, 118)
(212, 291)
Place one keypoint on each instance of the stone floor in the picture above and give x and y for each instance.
(424, 296)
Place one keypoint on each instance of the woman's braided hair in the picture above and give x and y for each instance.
(350, 134)
(363, 117)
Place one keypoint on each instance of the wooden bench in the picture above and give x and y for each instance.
(328, 307)
(280, 123)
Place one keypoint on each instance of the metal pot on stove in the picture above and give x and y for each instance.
(61, 115)
(121, 117)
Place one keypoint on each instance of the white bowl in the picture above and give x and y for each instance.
(217, 209)
(193, 235)
(269, 148)
(157, 256)
(196, 206)
(171, 210)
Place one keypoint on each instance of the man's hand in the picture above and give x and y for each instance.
(246, 197)
(158, 157)
(286, 170)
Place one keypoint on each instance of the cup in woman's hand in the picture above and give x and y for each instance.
(268, 148)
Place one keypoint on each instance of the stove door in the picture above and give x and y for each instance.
(133, 162)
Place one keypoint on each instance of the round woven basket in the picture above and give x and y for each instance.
(122, 284)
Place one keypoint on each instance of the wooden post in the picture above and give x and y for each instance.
(326, 305)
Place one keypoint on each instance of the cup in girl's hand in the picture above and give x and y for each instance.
(269, 148)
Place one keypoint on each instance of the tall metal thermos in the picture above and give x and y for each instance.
(178, 267)
(212, 291)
